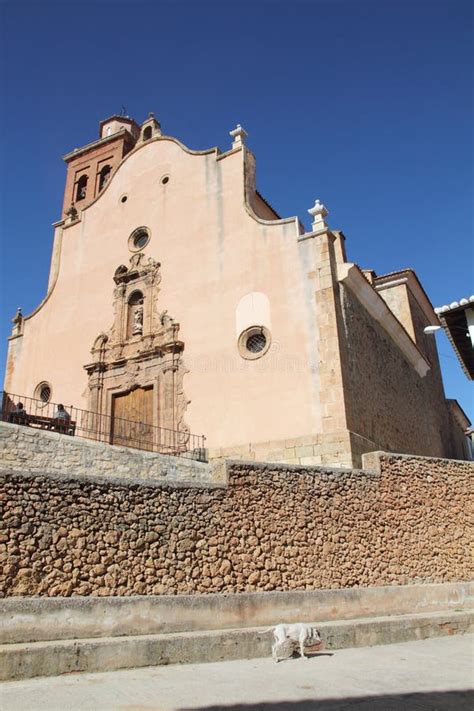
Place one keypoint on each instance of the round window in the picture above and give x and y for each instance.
(139, 239)
(43, 392)
(254, 342)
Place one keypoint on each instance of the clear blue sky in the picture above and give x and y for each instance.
(365, 105)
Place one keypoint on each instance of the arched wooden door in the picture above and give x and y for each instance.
(132, 418)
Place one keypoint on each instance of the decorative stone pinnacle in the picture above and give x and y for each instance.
(17, 322)
(71, 214)
(239, 135)
(318, 213)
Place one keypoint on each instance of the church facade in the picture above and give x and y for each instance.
(179, 297)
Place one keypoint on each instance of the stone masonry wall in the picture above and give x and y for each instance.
(389, 406)
(34, 450)
(273, 527)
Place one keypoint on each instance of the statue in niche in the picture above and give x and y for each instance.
(135, 314)
(137, 329)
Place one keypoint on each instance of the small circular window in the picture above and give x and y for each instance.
(139, 239)
(254, 342)
(43, 392)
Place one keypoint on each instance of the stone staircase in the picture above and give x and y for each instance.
(51, 636)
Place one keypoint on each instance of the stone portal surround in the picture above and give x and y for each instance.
(249, 527)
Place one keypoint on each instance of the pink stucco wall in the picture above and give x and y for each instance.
(213, 251)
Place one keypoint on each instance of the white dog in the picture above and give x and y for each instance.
(299, 635)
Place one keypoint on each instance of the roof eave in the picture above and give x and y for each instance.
(91, 146)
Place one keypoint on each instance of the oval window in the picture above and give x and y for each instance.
(139, 239)
(43, 392)
(254, 342)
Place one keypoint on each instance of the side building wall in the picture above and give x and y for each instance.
(389, 405)
(264, 527)
(461, 447)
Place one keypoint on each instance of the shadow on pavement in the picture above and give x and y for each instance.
(424, 701)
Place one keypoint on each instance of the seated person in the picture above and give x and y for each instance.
(63, 418)
(61, 413)
(18, 415)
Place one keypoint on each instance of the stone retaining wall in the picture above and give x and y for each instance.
(38, 451)
(273, 527)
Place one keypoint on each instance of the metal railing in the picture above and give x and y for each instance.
(73, 421)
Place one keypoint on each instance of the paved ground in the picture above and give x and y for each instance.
(430, 674)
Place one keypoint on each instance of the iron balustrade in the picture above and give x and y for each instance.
(101, 428)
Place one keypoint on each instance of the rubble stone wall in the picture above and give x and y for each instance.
(273, 527)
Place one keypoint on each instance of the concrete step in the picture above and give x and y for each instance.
(36, 619)
(51, 658)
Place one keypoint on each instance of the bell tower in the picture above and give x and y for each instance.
(90, 168)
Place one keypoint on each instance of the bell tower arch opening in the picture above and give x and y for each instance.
(104, 176)
(81, 188)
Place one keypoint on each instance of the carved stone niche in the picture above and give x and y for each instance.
(137, 369)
